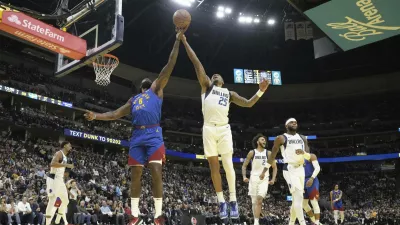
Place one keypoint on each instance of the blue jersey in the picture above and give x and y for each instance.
(308, 168)
(146, 109)
(336, 195)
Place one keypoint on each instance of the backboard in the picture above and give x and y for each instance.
(101, 25)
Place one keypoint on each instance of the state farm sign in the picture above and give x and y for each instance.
(42, 34)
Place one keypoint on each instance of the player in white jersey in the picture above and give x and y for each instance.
(294, 149)
(56, 189)
(217, 135)
(258, 185)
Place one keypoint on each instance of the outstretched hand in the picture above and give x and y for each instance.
(180, 33)
(90, 115)
(264, 84)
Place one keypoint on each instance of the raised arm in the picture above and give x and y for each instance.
(162, 80)
(243, 102)
(204, 80)
(112, 115)
(246, 162)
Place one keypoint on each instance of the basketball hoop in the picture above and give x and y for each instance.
(104, 65)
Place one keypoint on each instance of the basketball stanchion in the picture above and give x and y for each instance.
(104, 65)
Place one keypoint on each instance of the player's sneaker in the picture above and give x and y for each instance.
(234, 213)
(159, 220)
(135, 221)
(222, 210)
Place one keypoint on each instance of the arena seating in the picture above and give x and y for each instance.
(369, 196)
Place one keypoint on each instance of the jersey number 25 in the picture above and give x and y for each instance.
(223, 101)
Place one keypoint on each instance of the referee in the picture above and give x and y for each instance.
(73, 193)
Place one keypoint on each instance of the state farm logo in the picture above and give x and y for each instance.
(35, 26)
(14, 19)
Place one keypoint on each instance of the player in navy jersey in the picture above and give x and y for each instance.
(337, 204)
(311, 188)
(146, 144)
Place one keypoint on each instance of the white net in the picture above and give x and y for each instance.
(104, 65)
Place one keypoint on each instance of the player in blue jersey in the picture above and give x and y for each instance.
(337, 204)
(146, 144)
(311, 188)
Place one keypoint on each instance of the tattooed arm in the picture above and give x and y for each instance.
(162, 80)
(204, 80)
(250, 155)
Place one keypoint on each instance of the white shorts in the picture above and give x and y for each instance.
(294, 176)
(217, 140)
(258, 187)
(60, 190)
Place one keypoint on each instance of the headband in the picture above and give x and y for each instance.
(290, 120)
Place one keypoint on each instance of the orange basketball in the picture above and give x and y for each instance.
(182, 18)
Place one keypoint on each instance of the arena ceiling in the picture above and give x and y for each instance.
(224, 44)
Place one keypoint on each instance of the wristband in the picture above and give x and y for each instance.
(94, 116)
(268, 166)
(259, 93)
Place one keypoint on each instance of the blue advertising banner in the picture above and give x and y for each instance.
(35, 96)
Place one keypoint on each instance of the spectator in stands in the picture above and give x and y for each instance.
(37, 214)
(119, 214)
(3, 212)
(83, 216)
(25, 211)
(13, 212)
(106, 213)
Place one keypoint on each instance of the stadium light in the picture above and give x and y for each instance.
(249, 19)
(221, 8)
(271, 22)
(242, 19)
(220, 14)
(228, 10)
(256, 20)
(187, 3)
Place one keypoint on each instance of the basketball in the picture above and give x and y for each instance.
(182, 18)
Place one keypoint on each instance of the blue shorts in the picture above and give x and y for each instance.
(313, 191)
(338, 206)
(146, 145)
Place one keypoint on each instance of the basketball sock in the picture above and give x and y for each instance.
(256, 221)
(232, 196)
(316, 222)
(335, 216)
(135, 207)
(158, 207)
(230, 175)
(341, 217)
(220, 196)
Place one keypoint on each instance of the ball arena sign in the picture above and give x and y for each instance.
(41, 34)
(354, 23)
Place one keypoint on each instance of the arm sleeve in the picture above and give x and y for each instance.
(317, 168)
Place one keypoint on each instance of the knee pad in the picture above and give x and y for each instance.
(315, 206)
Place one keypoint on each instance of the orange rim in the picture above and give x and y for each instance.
(109, 65)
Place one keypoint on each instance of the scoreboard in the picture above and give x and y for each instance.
(247, 76)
